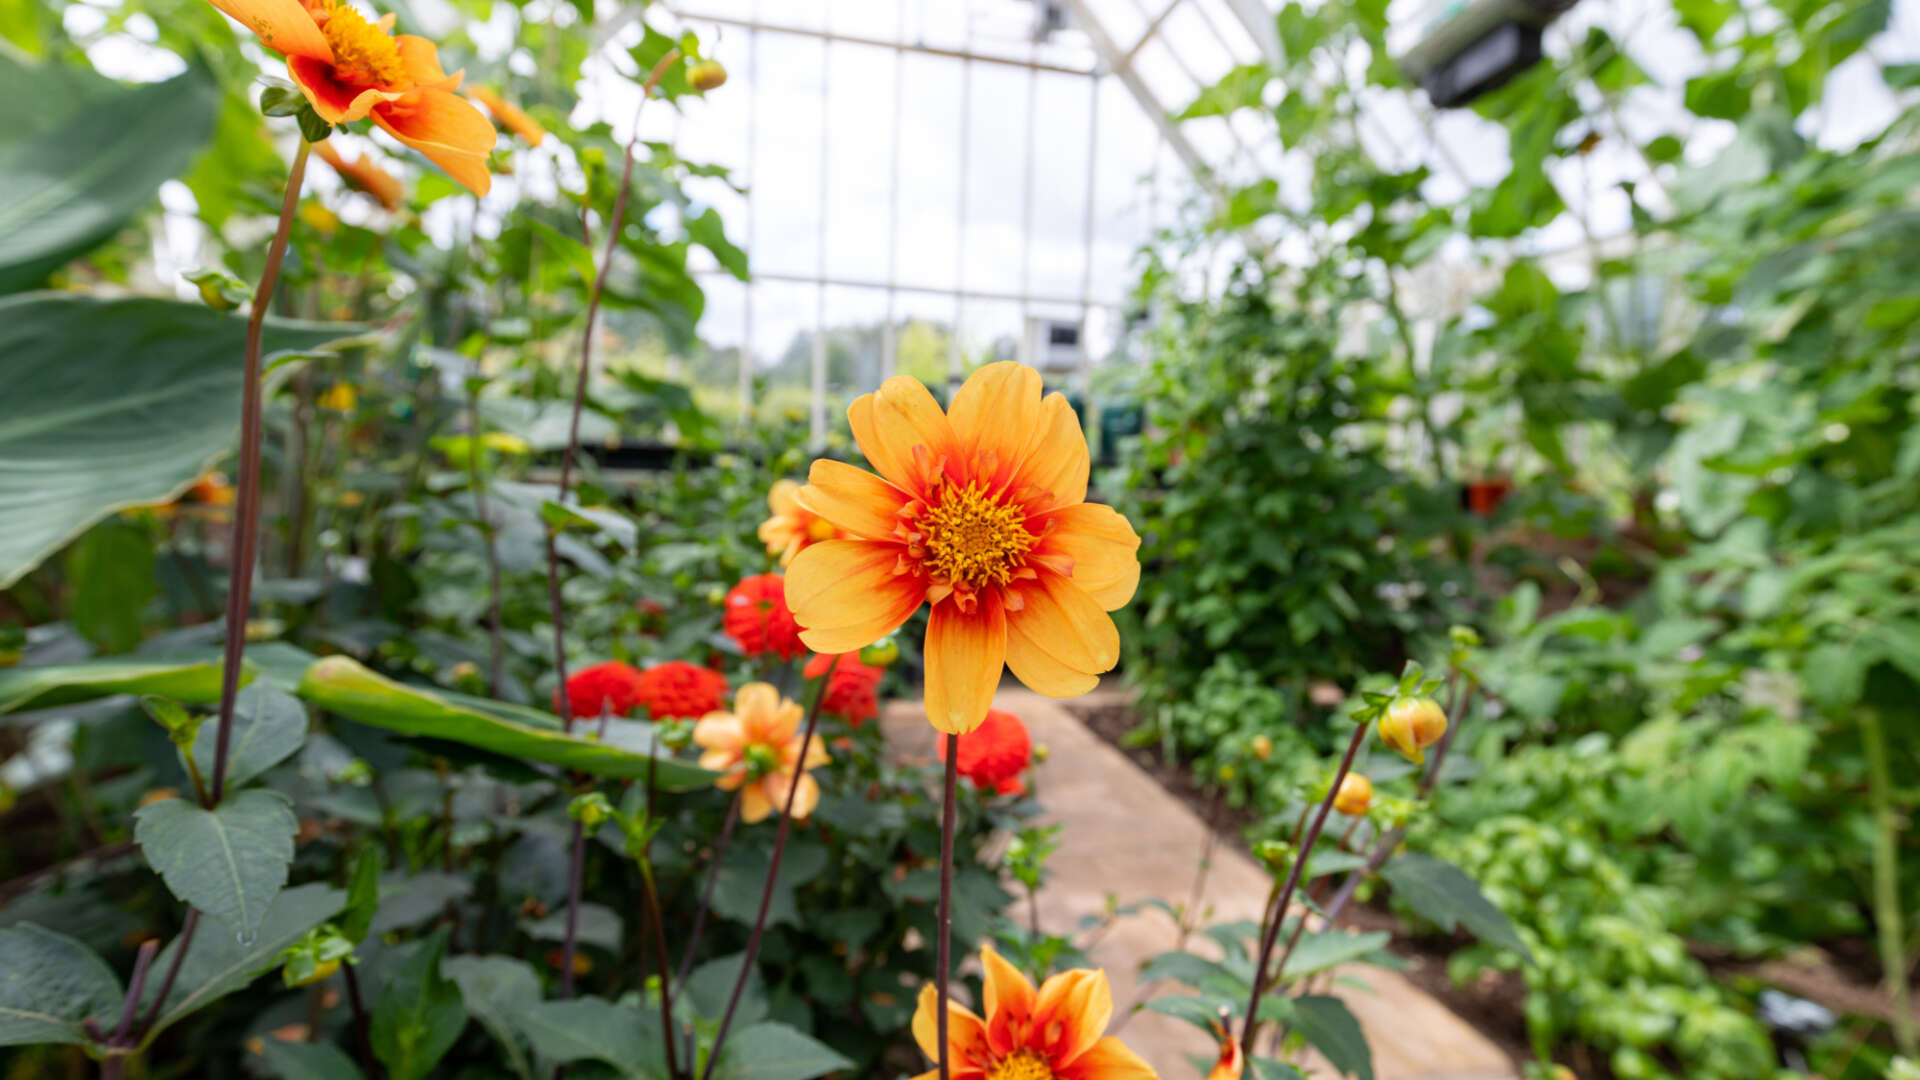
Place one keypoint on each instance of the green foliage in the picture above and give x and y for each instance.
(49, 983)
(228, 862)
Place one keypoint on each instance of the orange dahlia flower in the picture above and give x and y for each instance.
(363, 175)
(1050, 1034)
(979, 512)
(758, 745)
(1229, 1065)
(350, 69)
(508, 115)
(791, 527)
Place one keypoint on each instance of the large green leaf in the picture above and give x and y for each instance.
(309, 1061)
(1447, 897)
(49, 983)
(1331, 1028)
(776, 1052)
(592, 1029)
(341, 685)
(192, 682)
(113, 404)
(230, 861)
(220, 961)
(497, 990)
(68, 184)
(269, 724)
(419, 1014)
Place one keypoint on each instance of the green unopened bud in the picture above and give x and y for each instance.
(1275, 855)
(219, 290)
(676, 734)
(707, 75)
(590, 809)
(355, 773)
(1227, 773)
(881, 653)
(315, 956)
(1464, 636)
(181, 725)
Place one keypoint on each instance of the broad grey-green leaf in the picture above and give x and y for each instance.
(1331, 1029)
(419, 1015)
(229, 862)
(269, 724)
(1447, 897)
(219, 962)
(711, 984)
(25, 688)
(309, 1061)
(497, 990)
(113, 404)
(340, 685)
(68, 187)
(49, 983)
(1330, 948)
(592, 1029)
(776, 1052)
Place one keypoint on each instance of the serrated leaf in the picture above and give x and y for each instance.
(592, 1029)
(269, 725)
(1327, 1024)
(229, 862)
(49, 983)
(419, 1015)
(309, 1061)
(776, 1052)
(496, 991)
(218, 962)
(1445, 896)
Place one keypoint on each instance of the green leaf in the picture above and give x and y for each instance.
(1332, 1030)
(1446, 897)
(27, 688)
(269, 725)
(340, 685)
(419, 1015)
(776, 1052)
(1330, 948)
(49, 983)
(1269, 1069)
(220, 962)
(309, 1061)
(113, 581)
(229, 862)
(363, 895)
(708, 231)
(574, 253)
(712, 983)
(592, 1029)
(67, 188)
(497, 990)
(113, 404)
(1240, 88)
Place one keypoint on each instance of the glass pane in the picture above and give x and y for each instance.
(928, 240)
(787, 152)
(860, 161)
(996, 178)
(1057, 262)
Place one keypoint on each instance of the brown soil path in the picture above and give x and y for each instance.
(1127, 838)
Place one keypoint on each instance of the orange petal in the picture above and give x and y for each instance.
(718, 731)
(1104, 550)
(1058, 615)
(421, 58)
(966, 1033)
(854, 499)
(754, 804)
(996, 412)
(1071, 1013)
(447, 129)
(1108, 1059)
(964, 655)
(842, 590)
(336, 102)
(891, 421)
(1009, 1001)
(281, 25)
(1055, 460)
(781, 497)
(1040, 670)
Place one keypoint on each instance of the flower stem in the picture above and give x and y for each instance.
(124, 1030)
(659, 922)
(1279, 916)
(185, 940)
(943, 943)
(706, 893)
(246, 504)
(578, 845)
(1886, 882)
(361, 1033)
(773, 873)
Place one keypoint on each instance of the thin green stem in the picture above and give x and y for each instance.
(1886, 882)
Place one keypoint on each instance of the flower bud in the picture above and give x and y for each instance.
(1226, 773)
(707, 75)
(1411, 725)
(1041, 752)
(1262, 747)
(1355, 796)
(590, 809)
(1275, 855)
(880, 653)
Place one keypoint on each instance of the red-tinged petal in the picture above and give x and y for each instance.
(1054, 464)
(854, 500)
(891, 421)
(1009, 1001)
(846, 584)
(421, 58)
(964, 656)
(1040, 670)
(447, 129)
(966, 1033)
(1059, 616)
(995, 412)
(281, 25)
(336, 102)
(1108, 1059)
(1071, 1014)
(1103, 547)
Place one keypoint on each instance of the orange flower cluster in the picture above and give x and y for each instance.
(757, 618)
(792, 527)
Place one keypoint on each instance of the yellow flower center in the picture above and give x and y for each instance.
(1024, 1065)
(363, 54)
(973, 539)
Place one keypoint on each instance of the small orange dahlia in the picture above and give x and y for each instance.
(1054, 1033)
(677, 689)
(994, 755)
(1229, 1065)
(791, 527)
(851, 687)
(981, 513)
(756, 750)
(757, 618)
(364, 175)
(350, 69)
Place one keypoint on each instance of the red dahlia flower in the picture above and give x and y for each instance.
(757, 618)
(995, 754)
(851, 689)
(678, 689)
(612, 685)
